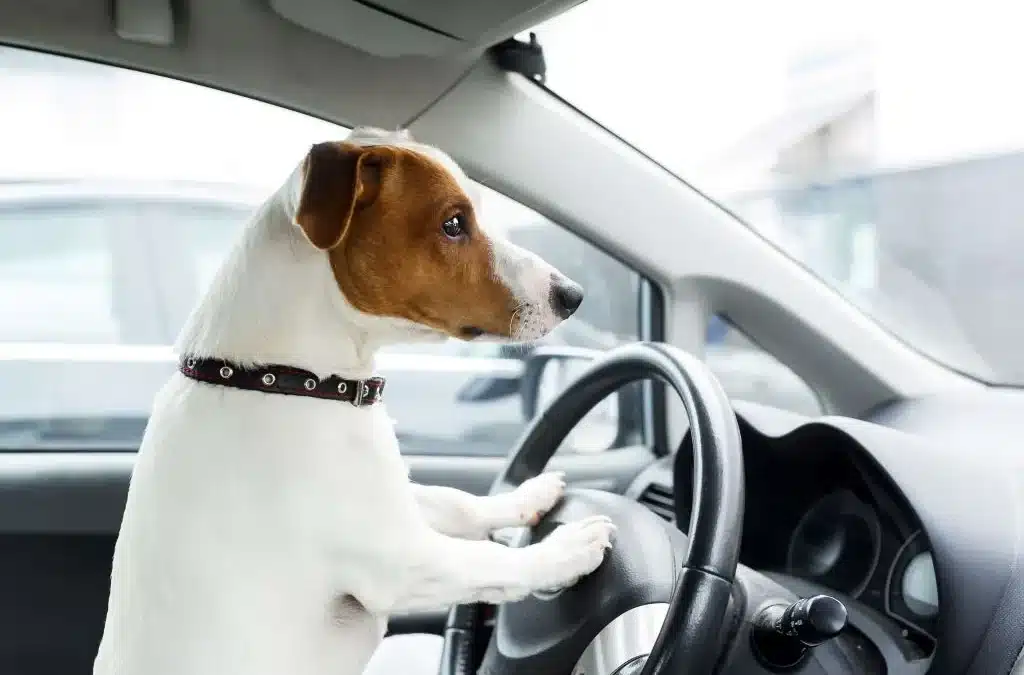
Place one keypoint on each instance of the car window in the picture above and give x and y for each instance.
(98, 290)
(452, 397)
(749, 373)
(60, 274)
(189, 238)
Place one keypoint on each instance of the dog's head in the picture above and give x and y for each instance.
(405, 240)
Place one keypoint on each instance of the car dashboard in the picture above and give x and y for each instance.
(884, 520)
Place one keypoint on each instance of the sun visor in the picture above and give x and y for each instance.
(392, 28)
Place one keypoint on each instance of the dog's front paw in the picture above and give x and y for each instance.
(572, 551)
(525, 505)
(537, 496)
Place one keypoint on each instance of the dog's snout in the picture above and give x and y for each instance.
(566, 296)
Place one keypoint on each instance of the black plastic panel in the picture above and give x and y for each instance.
(968, 494)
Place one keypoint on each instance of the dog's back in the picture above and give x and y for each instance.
(218, 557)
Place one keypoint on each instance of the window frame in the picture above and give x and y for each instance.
(653, 395)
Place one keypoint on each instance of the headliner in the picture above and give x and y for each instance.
(246, 47)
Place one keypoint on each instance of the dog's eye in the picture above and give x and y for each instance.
(453, 227)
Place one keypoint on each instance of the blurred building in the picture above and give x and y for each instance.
(932, 246)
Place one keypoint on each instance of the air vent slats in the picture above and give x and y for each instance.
(659, 500)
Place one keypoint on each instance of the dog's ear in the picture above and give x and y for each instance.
(338, 180)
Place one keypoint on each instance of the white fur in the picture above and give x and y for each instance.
(269, 534)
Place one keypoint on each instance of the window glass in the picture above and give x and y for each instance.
(749, 373)
(879, 144)
(96, 288)
(57, 275)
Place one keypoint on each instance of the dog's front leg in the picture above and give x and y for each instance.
(467, 516)
(435, 571)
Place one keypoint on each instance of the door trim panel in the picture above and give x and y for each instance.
(85, 492)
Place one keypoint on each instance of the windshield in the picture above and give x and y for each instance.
(879, 144)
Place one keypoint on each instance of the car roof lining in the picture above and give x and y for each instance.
(246, 47)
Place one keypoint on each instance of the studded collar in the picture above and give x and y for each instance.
(277, 379)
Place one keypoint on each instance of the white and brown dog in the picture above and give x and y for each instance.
(274, 534)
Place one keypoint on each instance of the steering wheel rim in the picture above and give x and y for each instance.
(688, 641)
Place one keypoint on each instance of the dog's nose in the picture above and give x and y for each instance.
(566, 296)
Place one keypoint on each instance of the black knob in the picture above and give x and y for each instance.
(782, 633)
(810, 620)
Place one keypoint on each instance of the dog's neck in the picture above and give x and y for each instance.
(275, 301)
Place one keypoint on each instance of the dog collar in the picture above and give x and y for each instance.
(276, 379)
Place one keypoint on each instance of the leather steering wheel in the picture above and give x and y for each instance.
(654, 580)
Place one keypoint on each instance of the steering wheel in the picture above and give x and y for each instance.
(658, 603)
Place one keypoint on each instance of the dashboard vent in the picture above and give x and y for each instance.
(659, 500)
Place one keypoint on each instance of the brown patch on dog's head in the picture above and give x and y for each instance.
(386, 216)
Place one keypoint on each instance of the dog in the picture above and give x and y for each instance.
(268, 533)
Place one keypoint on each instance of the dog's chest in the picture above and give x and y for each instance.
(338, 466)
(274, 466)
(296, 436)
(356, 444)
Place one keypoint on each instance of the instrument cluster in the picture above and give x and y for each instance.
(845, 543)
(818, 509)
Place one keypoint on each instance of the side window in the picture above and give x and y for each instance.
(190, 238)
(749, 373)
(121, 193)
(64, 273)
